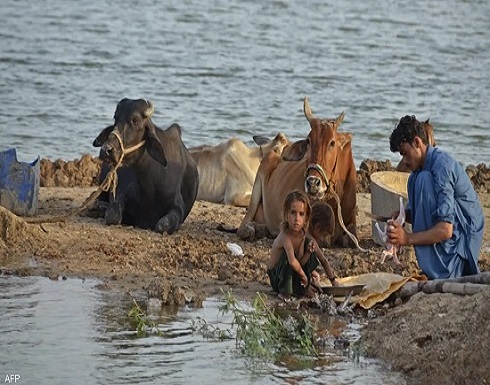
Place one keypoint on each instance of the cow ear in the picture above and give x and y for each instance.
(296, 151)
(103, 136)
(155, 148)
(344, 139)
(261, 140)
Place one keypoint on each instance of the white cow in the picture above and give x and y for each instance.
(227, 171)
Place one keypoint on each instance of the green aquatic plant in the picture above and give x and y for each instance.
(144, 325)
(209, 331)
(261, 332)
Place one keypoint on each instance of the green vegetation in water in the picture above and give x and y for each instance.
(260, 331)
(144, 325)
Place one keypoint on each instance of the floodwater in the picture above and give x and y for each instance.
(74, 332)
(224, 68)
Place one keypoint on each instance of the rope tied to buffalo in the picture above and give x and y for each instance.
(109, 184)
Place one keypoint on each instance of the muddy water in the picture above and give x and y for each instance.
(73, 332)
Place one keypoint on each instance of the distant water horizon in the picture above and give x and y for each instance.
(225, 69)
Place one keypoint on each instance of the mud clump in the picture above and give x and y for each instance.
(480, 177)
(15, 232)
(367, 168)
(83, 172)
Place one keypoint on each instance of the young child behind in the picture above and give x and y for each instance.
(294, 255)
(321, 229)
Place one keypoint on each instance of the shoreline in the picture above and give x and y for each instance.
(83, 172)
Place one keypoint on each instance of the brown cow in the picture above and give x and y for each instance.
(227, 171)
(429, 131)
(322, 164)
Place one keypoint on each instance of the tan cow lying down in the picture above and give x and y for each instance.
(429, 131)
(227, 171)
(320, 165)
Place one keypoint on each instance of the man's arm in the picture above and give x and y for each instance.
(438, 233)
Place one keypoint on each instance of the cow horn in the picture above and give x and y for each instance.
(150, 110)
(307, 110)
(340, 119)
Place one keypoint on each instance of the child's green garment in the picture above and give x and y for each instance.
(286, 281)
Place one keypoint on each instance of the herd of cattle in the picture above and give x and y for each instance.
(159, 179)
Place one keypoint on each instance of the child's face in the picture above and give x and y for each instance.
(297, 215)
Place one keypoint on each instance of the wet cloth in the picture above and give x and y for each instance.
(442, 191)
(285, 280)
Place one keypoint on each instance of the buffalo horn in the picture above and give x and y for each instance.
(149, 111)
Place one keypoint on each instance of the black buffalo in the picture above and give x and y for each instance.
(157, 181)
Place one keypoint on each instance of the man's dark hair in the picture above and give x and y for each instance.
(405, 132)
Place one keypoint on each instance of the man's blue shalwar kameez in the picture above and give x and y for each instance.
(442, 191)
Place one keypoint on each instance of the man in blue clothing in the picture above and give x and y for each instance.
(443, 207)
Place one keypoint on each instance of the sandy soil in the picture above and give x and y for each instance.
(433, 338)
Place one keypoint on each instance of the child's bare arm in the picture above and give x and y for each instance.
(293, 262)
(305, 254)
(326, 266)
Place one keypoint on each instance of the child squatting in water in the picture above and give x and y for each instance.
(295, 253)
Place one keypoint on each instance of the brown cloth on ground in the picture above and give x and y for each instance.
(378, 287)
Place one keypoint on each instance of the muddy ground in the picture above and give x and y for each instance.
(432, 338)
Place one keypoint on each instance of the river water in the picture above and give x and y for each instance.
(242, 67)
(73, 332)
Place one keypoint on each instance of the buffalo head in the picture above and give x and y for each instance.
(132, 133)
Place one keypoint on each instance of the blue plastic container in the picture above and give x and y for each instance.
(19, 183)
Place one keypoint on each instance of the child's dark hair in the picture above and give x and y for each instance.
(322, 218)
(300, 196)
(405, 132)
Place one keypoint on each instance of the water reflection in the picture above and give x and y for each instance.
(72, 332)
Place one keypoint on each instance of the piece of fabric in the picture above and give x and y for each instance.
(377, 287)
(442, 191)
(285, 280)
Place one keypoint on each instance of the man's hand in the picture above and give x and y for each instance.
(440, 232)
(397, 236)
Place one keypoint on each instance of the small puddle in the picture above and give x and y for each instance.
(71, 332)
